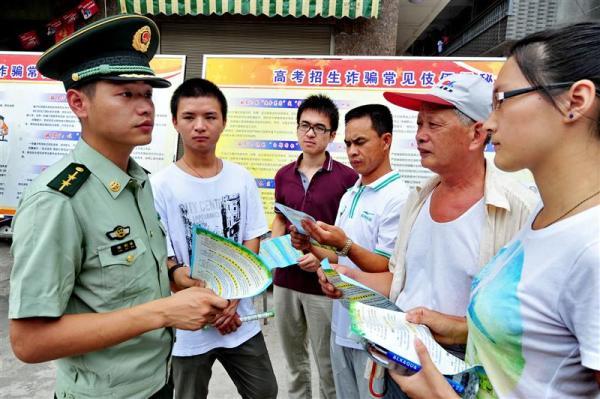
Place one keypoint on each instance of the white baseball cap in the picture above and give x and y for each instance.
(467, 92)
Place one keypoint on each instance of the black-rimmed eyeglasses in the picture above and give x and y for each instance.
(304, 127)
(500, 96)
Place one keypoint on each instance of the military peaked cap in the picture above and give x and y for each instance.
(115, 48)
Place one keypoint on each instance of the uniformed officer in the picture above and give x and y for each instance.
(89, 285)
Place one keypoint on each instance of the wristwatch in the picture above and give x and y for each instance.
(345, 249)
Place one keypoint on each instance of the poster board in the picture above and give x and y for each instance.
(264, 92)
(39, 127)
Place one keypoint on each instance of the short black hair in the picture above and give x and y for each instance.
(380, 115)
(563, 54)
(323, 105)
(87, 88)
(197, 87)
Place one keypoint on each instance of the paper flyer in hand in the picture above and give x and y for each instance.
(231, 270)
(390, 330)
(278, 252)
(295, 217)
(352, 290)
(390, 339)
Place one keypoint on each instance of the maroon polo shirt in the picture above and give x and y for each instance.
(320, 200)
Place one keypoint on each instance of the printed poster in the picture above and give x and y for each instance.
(37, 126)
(264, 92)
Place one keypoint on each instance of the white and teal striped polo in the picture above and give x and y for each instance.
(369, 215)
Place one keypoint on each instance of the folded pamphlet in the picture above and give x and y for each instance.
(353, 291)
(230, 269)
(294, 216)
(278, 252)
(387, 336)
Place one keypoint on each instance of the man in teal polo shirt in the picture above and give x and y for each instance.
(89, 285)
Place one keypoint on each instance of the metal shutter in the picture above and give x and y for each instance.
(196, 39)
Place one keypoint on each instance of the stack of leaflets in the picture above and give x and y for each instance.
(390, 340)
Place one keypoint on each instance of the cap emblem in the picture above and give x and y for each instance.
(447, 85)
(141, 39)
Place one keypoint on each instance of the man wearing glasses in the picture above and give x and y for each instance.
(314, 184)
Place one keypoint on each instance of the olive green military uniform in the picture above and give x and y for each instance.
(93, 244)
(87, 238)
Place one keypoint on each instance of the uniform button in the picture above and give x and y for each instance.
(130, 258)
(114, 186)
(151, 233)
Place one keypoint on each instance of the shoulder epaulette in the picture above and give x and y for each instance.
(70, 180)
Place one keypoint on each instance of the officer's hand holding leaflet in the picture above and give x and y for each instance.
(228, 320)
(192, 308)
(41, 339)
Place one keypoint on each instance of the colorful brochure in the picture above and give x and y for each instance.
(353, 291)
(231, 270)
(295, 217)
(388, 335)
(278, 252)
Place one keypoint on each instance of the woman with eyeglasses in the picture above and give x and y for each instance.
(534, 314)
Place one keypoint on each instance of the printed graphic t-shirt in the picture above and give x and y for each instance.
(534, 315)
(227, 204)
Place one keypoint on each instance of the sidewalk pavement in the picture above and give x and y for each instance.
(36, 381)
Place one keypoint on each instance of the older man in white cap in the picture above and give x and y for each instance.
(456, 221)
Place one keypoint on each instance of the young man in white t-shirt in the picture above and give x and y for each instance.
(222, 197)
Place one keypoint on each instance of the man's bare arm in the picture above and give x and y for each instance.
(41, 339)
(336, 237)
(278, 227)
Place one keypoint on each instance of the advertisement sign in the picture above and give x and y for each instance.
(264, 93)
(37, 126)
